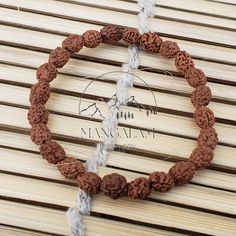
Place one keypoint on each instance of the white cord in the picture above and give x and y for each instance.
(109, 124)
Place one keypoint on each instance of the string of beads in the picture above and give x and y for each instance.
(115, 185)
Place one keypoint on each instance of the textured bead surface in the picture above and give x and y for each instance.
(169, 49)
(89, 182)
(71, 167)
(201, 96)
(52, 152)
(139, 188)
(40, 133)
(92, 38)
(201, 157)
(40, 93)
(37, 114)
(131, 36)
(59, 57)
(150, 42)
(73, 43)
(161, 181)
(208, 137)
(111, 33)
(183, 61)
(114, 185)
(195, 77)
(182, 172)
(46, 72)
(204, 117)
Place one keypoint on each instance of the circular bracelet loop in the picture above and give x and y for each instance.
(115, 185)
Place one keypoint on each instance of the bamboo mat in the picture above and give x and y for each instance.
(35, 197)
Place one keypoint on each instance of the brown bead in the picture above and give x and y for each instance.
(208, 137)
(201, 157)
(183, 61)
(89, 182)
(37, 114)
(201, 96)
(73, 43)
(139, 188)
(59, 57)
(71, 167)
(46, 72)
(182, 172)
(52, 152)
(169, 49)
(40, 93)
(92, 38)
(114, 185)
(111, 33)
(40, 133)
(131, 36)
(161, 181)
(150, 42)
(195, 77)
(204, 117)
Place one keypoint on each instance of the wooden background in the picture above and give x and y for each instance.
(34, 197)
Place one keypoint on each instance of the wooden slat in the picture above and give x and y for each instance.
(162, 12)
(137, 210)
(132, 162)
(211, 7)
(198, 50)
(164, 101)
(54, 221)
(10, 231)
(26, 76)
(159, 25)
(192, 195)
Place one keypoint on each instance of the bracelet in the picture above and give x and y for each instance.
(115, 185)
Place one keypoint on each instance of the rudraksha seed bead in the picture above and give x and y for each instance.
(182, 172)
(195, 77)
(71, 167)
(131, 36)
(114, 185)
(161, 181)
(89, 182)
(92, 38)
(139, 188)
(111, 33)
(40, 133)
(183, 61)
(73, 43)
(59, 57)
(208, 137)
(204, 117)
(201, 96)
(46, 72)
(169, 49)
(52, 152)
(201, 157)
(37, 114)
(150, 42)
(40, 93)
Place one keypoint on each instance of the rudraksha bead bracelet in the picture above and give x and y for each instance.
(115, 185)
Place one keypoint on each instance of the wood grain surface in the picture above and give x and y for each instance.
(34, 196)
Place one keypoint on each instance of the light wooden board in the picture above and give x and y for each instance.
(34, 196)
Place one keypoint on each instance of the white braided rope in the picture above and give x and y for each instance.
(99, 158)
